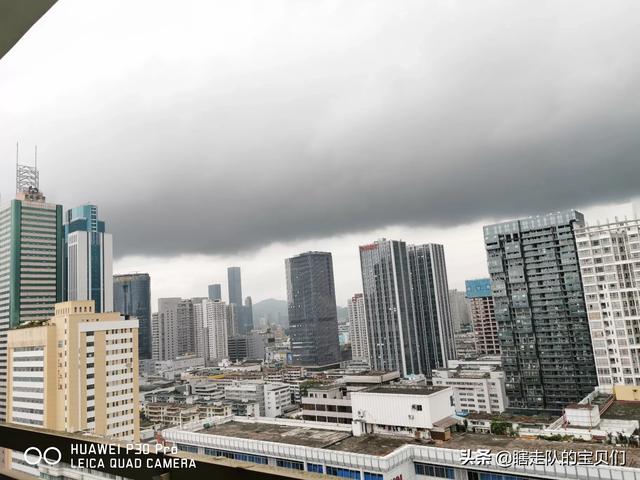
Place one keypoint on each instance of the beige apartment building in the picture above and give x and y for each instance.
(77, 372)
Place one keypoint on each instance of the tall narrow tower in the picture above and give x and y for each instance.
(88, 258)
(31, 277)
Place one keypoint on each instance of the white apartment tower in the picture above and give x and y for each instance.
(609, 258)
(358, 328)
(215, 322)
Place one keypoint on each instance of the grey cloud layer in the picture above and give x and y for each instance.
(230, 125)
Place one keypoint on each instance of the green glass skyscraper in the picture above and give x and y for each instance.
(31, 243)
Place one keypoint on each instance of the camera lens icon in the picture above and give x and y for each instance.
(51, 456)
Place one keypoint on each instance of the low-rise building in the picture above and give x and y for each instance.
(421, 411)
(277, 398)
(476, 388)
(327, 403)
(171, 413)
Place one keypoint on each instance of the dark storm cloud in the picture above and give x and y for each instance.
(229, 126)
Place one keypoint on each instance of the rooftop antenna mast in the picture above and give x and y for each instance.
(27, 177)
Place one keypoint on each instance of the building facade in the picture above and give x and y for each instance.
(483, 313)
(77, 372)
(88, 264)
(313, 319)
(234, 279)
(132, 296)
(430, 288)
(610, 264)
(540, 310)
(31, 271)
(476, 388)
(358, 335)
(408, 313)
(175, 329)
(215, 292)
(460, 311)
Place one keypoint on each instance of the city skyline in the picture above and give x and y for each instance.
(365, 120)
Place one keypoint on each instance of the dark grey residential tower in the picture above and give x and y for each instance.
(540, 311)
(406, 298)
(215, 292)
(430, 289)
(132, 296)
(235, 285)
(313, 320)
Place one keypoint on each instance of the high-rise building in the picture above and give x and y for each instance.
(215, 322)
(215, 292)
(132, 296)
(174, 332)
(313, 319)
(483, 314)
(393, 334)
(540, 310)
(247, 316)
(460, 311)
(430, 289)
(609, 258)
(408, 314)
(31, 273)
(77, 372)
(358, 328)
(88, 264)
(235, 285)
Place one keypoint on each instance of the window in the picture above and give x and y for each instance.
(434, 470)
(343, 473)
(284, 463)
(314, 467)
(372, 476)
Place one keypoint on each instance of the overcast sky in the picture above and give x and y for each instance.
(212, 133)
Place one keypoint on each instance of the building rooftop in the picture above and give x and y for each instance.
(620, 410)
(406, 389)
(508, 417)
(381, 445)
(268, 432)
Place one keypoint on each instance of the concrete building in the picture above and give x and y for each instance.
(540, 311)
(476, 388)
(214, 314)
(77, 372)
(609, 258)
(31, 255)
(277, 399)
(328, 404)
(483, 314)
(313, 320)
(174, 333)
(246, 390)
(88, 263)
(466, 345)
(417, 411)
(132, 296)
(460, 311)
(407, 307)
(358, 336)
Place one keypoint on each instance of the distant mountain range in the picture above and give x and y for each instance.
(275, 312)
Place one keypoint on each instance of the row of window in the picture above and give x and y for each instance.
(434, 470)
